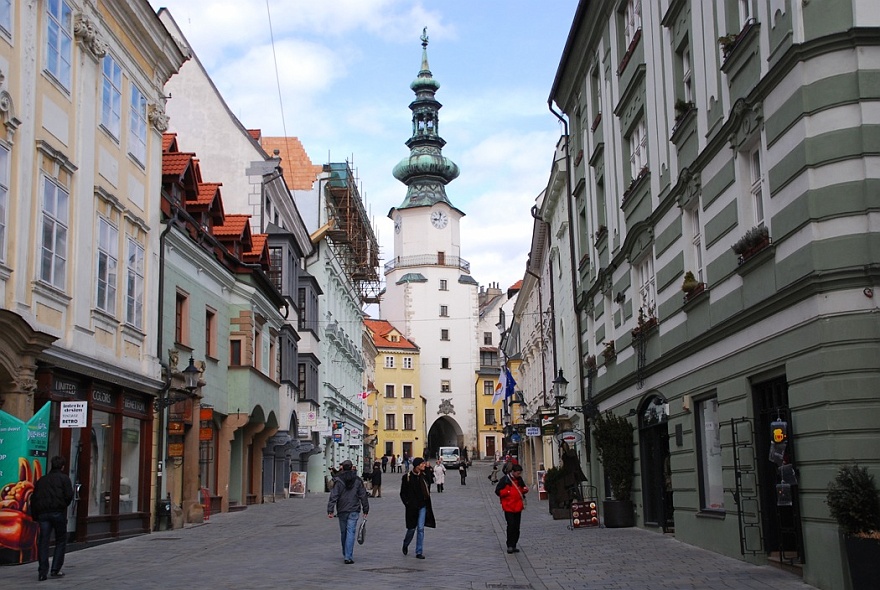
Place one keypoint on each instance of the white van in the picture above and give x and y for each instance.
(450, 456)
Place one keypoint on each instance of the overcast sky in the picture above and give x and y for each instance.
(344, 68)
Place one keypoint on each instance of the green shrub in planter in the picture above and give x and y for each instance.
(854, 501)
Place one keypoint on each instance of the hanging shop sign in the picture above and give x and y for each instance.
(533, 431)
(175, 449)
(571, 437)
(74, 415)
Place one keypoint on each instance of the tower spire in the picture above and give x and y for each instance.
(426, 172)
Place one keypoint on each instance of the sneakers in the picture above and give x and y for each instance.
(349, 561)
(58, 574)
(419, 556)
(510, 549)
(42, 577)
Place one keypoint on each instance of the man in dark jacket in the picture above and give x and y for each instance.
(347, 497)
(52, 494)
(416, 496)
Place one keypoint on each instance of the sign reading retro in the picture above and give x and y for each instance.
(74, 415)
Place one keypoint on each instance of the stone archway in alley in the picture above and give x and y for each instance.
(444, 432)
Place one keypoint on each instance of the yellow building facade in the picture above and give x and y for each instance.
(396, 403)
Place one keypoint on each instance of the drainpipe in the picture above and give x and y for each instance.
(570, 203)
(166, 370)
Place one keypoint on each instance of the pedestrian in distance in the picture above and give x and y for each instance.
(493, 477)
(52, 494)
(393, 463)
(440, 475)
(384, 463)
(377, 480)
(405, 462)
(416, 497)
(512, 490)
(462, 471)
(348, 497)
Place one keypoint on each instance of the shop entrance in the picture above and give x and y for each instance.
(656, 474)
(777, 481)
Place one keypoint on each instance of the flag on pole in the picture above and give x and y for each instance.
(504, 388)
(365, 394)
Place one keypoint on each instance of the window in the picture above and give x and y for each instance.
(301, 381)
(638, 149)
(745, 12)
(647, 283)
(709, 441)
(6, 16)
(137, 138)
(59, 40)
(108, 261)
(4, 196)
(53, 255)
(102, 457)
(258, 349)
(389, 390)
(407, 392)
(276, 266)
(686, 76)
(444, 311)
(488, 387)
(757, 182)
(408, 422)
(210, 333)
(235, 353)
(389, 448)
(393, 338)
(489, 358)
(134, 291)
(487, 338)
(444, 362)
(444, 334)
(632, 20)
(407, 362)
(111, 96)
(444, 285)
(181, 318)
(445, 387)
(390, 422)
(130, 466)
(596, 93)
(696, 258)
(489, 416)
(301, 304)
(389, 362)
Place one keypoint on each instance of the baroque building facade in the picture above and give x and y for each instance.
(722, 189)
(82, 107)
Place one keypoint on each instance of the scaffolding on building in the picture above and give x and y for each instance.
(351, 236)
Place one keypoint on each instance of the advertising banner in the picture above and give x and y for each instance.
(23, 450)
(297, 484)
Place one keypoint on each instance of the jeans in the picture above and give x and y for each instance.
(49, 522)
(420, 537)
(348, 522)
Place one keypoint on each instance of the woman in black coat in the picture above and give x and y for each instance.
(376, 480)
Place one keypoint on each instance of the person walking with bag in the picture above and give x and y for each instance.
(440, 475)
(512, 490)
(348, 496)
(52, 494)
(462, 471)
(416, 497)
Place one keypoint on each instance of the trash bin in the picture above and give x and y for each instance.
(163, 518)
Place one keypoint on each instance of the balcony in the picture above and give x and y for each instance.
(427, 260)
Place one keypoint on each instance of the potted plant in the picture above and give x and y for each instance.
(609, 352)
(853, 499)
(691, 286)
(752, 242)
(682, 108)
(614, 447)
(727, 42)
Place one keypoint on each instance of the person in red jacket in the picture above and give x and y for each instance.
(512, 490)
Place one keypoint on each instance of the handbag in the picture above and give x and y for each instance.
(362, 531)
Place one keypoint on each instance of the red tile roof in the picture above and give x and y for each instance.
(208, 191)
(235, 225)
(381, 329)
(255, 133)
(299, 172)
(176, 163)
(168, 141)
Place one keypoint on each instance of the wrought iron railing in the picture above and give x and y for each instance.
(428, 260)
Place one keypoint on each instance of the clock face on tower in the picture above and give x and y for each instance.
(397, 223)
(439, 219)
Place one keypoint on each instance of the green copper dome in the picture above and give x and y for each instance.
(426, 171)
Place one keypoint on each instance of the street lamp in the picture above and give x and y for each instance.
(191, 376)
(559, 385)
